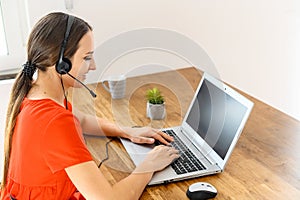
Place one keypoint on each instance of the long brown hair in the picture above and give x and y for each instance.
(43, 48)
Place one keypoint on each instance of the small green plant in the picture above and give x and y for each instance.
(154, 96)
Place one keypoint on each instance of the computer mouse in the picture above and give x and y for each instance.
(201, 191)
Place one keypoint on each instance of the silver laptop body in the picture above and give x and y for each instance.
(210, 130)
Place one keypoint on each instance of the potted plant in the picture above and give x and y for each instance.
(155, 104)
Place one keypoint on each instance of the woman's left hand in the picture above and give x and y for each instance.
(147, 135)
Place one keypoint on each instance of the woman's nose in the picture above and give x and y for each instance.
(92, 65)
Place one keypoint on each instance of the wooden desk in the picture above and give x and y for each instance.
(264, 165)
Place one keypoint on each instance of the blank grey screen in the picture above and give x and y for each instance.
(216, 117)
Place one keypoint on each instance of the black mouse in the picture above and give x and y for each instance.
(201, 191)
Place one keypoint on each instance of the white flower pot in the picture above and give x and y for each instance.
(156, 111)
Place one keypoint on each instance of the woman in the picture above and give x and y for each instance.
(45, 154)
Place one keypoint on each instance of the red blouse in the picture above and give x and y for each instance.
(47, 139)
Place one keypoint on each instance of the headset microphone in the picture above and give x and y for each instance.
(63, 64)
(91, 92)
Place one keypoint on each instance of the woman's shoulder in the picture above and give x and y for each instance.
(46, 111)
(45, 105)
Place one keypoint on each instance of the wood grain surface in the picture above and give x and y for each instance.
(264, 165)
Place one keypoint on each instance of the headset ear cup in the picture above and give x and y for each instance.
(68, 65)
(64, 66)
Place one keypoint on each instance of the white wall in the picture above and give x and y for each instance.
(253, 44)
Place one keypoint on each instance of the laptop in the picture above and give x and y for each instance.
(207, 136)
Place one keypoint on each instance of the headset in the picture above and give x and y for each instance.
(63, 64)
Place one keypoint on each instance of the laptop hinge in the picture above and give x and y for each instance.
(206, 157)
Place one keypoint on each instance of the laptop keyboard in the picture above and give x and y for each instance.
(187, 162)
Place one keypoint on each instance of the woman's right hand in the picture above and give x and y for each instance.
(157, 159)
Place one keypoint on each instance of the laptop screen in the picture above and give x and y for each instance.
(216, 117)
